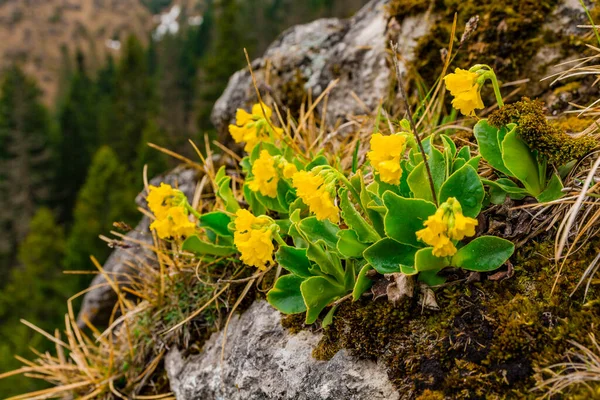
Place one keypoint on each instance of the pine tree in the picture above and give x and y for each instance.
(134, 101)
(157, 161)
(36, 291)
(25, 160)
(78, 141)
(106, 197)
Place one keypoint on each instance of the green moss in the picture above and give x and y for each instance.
(549, 140)
(488, 339)
(405, 8)
(293, 93)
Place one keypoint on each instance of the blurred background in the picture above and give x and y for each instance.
(84, 85)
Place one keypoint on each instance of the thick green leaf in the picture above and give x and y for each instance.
(294, 260)
(387, 255)
(431, 278)
(328, 320)
(314, 230)
(487, 139)
(464, 153)
(355, 221)
(418, 180)
(449, 146)
(195, 245)
(521, 162)
(363, 283)
(217, 221)
(465, 185)
(317, 161)
(553, 191)
(225, 193)
(486, 253)
(404, 217)
(348, 244)
(426, 261)
(318, 292)
(255, 206)
(286, 295)
(328, 262)
(366, 197)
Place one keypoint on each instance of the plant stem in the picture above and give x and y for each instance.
(412, 122)
(492, 76)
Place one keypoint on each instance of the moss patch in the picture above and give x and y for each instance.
(550, 140)
(487, 340)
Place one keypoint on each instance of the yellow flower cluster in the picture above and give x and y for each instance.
(385, 155)
(254, 239)
(463, 85)
(447, 224)
(265, 175)
(254, 127)
(312, 190)
(168, 206)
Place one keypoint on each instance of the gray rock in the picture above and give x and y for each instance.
(264, 361)
(352, 50)
(123, 263)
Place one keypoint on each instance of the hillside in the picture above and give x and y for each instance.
(39, 33)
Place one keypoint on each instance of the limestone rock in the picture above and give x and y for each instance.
(264, 361)
(99, 302)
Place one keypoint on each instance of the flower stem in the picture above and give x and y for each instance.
(412, 122)
(494, 80)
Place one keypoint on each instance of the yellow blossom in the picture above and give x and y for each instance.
(265, 175)
(463, 85)
(448, 223)
(289, 170)
(443, 247)
(256, 248)
(253, 128)
(385, 155)
(312, 190)
(174, 224)
(253, 239)
(158, 199)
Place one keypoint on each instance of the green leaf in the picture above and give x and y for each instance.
(404, 217)
(294, 260)
(362, 282)
(464, 153)
(319, 160)
(418, 180)
(286, 295)
(355, 221)
(225, 193)
(328, 263)
(487, 139)
(426, 261)
(195, 245)
(348, 244)
(217, 221)
(431, 278)
(255, 206)
(486, 253)
(328, 320)
(387, 255)
(315, 230)
(318, 292)
(465, 185)
(449, 146)
(521, 162)
(553, 191)
(366, 197)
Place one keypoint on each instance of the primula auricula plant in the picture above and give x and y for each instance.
(403, 211)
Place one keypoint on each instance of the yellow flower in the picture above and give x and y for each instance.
(174, 224)
(447, 223)
(385, 155)
(256, 248)
(253, 239)
(265, 175)
(289, 170)
(443, 247)
(253, 128)
(158, 199)
(463, 85)
(312, 190)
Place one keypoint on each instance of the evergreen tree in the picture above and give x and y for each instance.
(224, 58)
(36, 291)
(157, 161)
(106, 197)
(134, 101)
(25, 160)
(78, 141)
